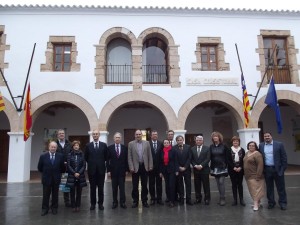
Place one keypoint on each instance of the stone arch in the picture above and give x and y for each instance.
(292, 98)
(12, 115)
(100, 59)
(143, 96)
(43, 101)
(173, 57)
(224, 98)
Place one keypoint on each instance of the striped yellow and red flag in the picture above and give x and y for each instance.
(27, 115)
(246, 102)
(2, 105)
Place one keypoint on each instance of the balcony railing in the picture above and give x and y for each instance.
(155, 74)
(118, 74)
(281, 74)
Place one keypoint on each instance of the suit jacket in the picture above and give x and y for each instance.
(184, 156)
(51, 174)
(279, 154)
(203, 159)
(156, 156)
(133, 157)
(117, 166)
(172, 166)
(96, 158)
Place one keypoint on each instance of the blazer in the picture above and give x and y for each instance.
(51, 174)
(117, 166)
(133, 157)
(184, 157)
(279, 154)
(156, 156)
(96, 158)
(172, 166)
(203, 159)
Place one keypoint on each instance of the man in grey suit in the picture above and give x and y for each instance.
(200, 160)
(140, 162)
(275, 161)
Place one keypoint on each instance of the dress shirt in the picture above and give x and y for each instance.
(269, 157)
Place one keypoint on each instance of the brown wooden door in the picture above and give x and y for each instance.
(4, 148)
(128, 136)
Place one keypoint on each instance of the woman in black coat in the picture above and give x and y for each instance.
(76, 177)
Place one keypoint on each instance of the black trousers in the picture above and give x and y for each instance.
(75, 193)
(237, 184)
(271, 176)
(118, 182)
(47, 191)
(200, 180)
(97, 181)
(155, 185)
(185, 177)
(170, 183)
(142, 173)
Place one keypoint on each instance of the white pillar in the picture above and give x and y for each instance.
(103, 136)
(247, 135)
(179, 132)
(19, 157)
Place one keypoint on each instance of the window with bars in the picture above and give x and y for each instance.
(62, 57)
(209, 57)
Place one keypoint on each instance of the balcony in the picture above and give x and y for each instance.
(155, 74)
(118, 74)
(281, 74)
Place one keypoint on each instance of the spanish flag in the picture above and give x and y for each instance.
(27, 115)
(2, 105)
(246, 102)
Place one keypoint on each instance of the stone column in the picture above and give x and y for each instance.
(19, 157)
(246, 135)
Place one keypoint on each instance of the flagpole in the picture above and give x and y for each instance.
(20, 108)
(261, 83)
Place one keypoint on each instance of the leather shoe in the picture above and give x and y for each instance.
(271, 206)
(206, 202)
(242, 203)
(115, 205)
(92, 207)
(152, 202)
(189, 203)
(171, 205)
(101, 207)
(44, 213)
(54, 211)
(283, 207)
(123, 206)
(160, 202)
(145, 204)
(134, 205)
(167, 201)
(198, 201)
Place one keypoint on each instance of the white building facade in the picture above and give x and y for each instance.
(121, 69)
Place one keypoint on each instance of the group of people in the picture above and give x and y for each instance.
(155, 161)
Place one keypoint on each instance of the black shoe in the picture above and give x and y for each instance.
(171, 204)
(242, 203)
(101, 207)
(67, 204)
(283, 207)
(160, 202)
(271, 206)
(145, 204)
(54, 211)
(44, 213)
(134, 205)
(167, 201)
(92, 207)
(152, 202)
(206, 202)
(115, 205)
(189, 203)
(198, 201)
(123, 206)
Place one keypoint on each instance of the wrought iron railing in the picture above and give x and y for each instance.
(281, 74)
(118, 74)
(155, 74)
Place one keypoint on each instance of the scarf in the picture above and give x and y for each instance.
(236, 153)
(166, 154)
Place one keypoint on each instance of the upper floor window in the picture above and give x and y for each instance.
(119, 62)
(3, 48)
(210, 55)
(155, 55)
(62, 57)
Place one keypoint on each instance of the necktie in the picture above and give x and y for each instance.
(96, 145)
(52, 158)
(155, 147)
(181, 147)
(118, 151)
(198, 151)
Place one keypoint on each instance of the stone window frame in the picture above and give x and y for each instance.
(3, 48)
(49, 65)
(221, 64)
(291, 53)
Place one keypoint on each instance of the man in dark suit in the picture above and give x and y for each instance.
(184, 161)
(200, 162)
(275, 161)
(64, 147)
(155, 180)
(140, 162)
(51, 165)
(95, 156)
(117, 168)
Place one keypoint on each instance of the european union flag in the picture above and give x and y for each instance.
(271, 100)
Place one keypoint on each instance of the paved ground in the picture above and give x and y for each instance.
(20, 204)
